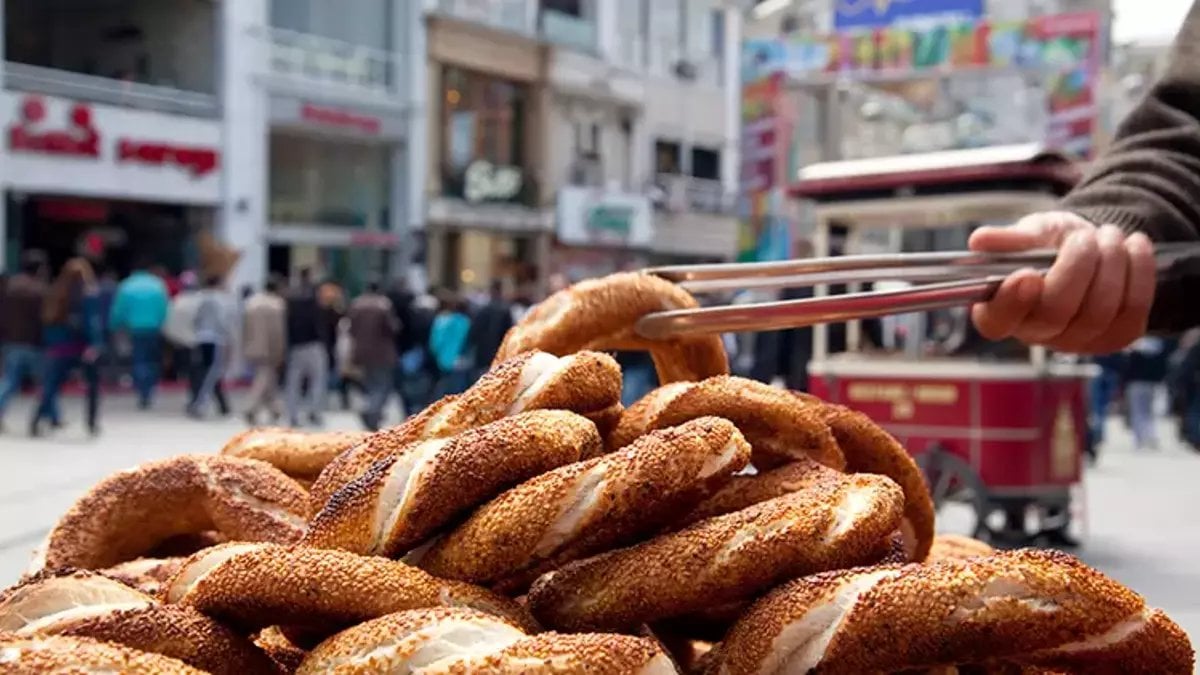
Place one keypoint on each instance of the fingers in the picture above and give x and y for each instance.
(1016, 298)
(1103, 297)
(1040, 230)
(1141, 280)
(1064, 289)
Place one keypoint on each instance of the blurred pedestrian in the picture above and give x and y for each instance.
(264, 343)
(74, 337)
(180, 329)
(418, 369)
(331, 307)
(1102, 391)
(140, 309)
(308, 360)
(488, 327)
(638, 376)
(448, 344)
(373, 329)
(21, 326)
(1144, 375)
(215, 320)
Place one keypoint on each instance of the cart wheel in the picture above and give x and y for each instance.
(951, 480)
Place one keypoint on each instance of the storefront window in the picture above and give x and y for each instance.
(368, 25)
(483, 137)
(317, 181)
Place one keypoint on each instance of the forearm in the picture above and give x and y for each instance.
(1149, 179)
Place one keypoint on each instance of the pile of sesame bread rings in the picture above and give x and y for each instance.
(533, 525)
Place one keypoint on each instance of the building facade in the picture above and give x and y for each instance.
(284, 127)
(579, 137)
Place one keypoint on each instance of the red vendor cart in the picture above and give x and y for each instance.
(1000, 428)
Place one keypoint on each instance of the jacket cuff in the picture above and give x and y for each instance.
(1111, 215)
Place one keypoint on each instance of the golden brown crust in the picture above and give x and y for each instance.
(322, 590)
(128, 513)
(286, 656)
(957, 547)
(591, 506)
(870, 449)
(145, 574)
(733, 557)
(748, 490)
(393, 640)
(404, 499)
(780, 427)
(299, 454)
(61, 654)
(600, 314)
(89, 605)
(1018, 606)
(455, 640)
(588, 383)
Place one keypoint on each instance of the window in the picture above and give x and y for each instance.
(572, 7)
(706, 163)
(587, 167)
(666, 157)
(718, 33)
(483, 120)
(328, 182)
(369, 25)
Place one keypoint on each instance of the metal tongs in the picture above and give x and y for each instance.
(940, 280)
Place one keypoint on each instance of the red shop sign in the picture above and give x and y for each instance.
(79, 140)
(336, 117)
(198, 161)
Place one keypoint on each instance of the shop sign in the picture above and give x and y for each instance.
(79, 139)
(195, 160)
(589, 216)
(82, 139)
(487, 182)
(65, 147)
(339, 118)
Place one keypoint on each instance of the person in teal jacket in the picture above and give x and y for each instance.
(140, 309)
(447, 342)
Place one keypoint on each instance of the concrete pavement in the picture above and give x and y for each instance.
(1141, 522)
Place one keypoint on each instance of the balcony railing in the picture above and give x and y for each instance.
(511, 15)
(81, 87)
(680, 194)
(568, 31)
(314, 59)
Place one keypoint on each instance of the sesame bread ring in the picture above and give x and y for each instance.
(286, 655)
(253, 586)
(870, 449)
(601, 313)
(71, 655)
(456, 640)
(127, 514)
(85, 604)
(145, 574)
(780, 427)
(588, 383)
(588, 507)
(402, 500)
(1029, 607)
(748, 490)
(724, 559)
(299, 454)
(957, 547)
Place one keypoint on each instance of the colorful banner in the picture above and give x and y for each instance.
(859, 14)
(1066, 49)
(766, 140)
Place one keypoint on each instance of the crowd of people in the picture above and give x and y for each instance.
(294, 342)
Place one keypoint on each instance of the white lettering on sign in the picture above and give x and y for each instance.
(488, 182)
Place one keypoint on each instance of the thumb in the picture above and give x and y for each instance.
(1040, 230)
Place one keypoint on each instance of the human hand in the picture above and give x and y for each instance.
(1096, 297)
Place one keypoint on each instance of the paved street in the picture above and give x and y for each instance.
(1141, 508)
